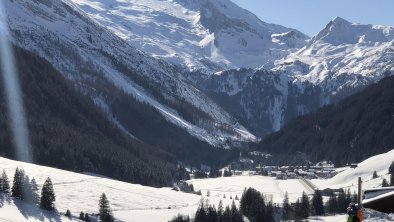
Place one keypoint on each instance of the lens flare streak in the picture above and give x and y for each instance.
(12, 90)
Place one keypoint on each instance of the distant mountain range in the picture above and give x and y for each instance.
(207, 71)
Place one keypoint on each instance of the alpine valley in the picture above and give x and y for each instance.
(161, 82)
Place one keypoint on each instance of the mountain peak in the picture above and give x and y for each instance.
(340, 31)
(340, 20)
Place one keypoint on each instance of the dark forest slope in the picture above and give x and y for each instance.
(354, 129)
(68, 131)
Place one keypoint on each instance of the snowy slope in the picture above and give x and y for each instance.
(17, 211)
(132, 202)
(207, 34)
(96, 60)
(349, 177)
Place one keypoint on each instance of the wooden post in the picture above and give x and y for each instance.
(360, 213)
(360, 195)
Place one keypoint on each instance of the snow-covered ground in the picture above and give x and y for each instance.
(234, 186)
(132, 202)
(349, 177)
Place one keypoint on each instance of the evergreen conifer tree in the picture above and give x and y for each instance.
(4, 184)
(34, 197)
(227, 215)
(343, 201)
(391, 171)
(297, 210)
(317, 202)
(348, 197)
(68, 214)
(286, 207)
(201, 213)
(305, 206)
(220, 211)
(105, 212)
(1, 184)
(236, 215)
(48, 198)
(212, 215)
(87, 218)
(81, 216)
(385, 183)
(375, 175)
(17, 190)
(333, 204)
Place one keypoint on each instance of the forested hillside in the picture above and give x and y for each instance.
(351, 130)
(68, 131)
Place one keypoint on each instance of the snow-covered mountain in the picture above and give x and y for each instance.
(343, 56)
(99, 62)
(142, 48)
(341, 59)
(200, 34)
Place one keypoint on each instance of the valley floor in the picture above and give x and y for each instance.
(132, 202)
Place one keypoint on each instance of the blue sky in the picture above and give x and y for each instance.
(310, 16)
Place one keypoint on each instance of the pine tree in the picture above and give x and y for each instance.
(68, 214)
(385, 183)
(317, 202)
(81, 216)
(201, 213)
(391, 171)
(105, 212)
(227, 215)
(269, 213)
(348, 197)
(375, 175)
(87, 218)
(47, 196)
(4, 183)
(343, 201)
(286, 207)
(212, 215)
(35, 197)
(333, 203)
(1, 184)
(220, 211)
(236, 215)
(28, 193)
(297, 210)
(180, 218)
(17, 190)
(305, 206)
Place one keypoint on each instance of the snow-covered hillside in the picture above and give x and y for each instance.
(349, 177)
(199, 34)
(96, 60)
(132, 202)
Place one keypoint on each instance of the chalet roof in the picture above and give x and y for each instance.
(382, 201)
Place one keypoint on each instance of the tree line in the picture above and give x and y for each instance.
(253, 206)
